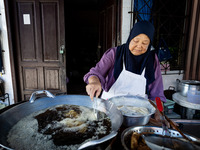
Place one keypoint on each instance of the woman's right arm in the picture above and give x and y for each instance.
(96, 77)
(94, 87)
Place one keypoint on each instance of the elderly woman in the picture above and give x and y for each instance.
(129, 69)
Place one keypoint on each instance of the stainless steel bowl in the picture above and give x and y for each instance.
(137, 101)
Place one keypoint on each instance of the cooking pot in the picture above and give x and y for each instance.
(169, 92)
(136, 101)
(14, 114)
(184, 86)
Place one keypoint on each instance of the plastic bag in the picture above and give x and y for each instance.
(163, 52)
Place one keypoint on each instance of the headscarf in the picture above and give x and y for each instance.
(136, 64)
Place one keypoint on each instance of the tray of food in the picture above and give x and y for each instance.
(151, 137)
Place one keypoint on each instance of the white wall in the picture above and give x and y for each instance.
(5, 55)
(170, 79)
(126, 20)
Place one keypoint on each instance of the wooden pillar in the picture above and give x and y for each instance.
(192, 68)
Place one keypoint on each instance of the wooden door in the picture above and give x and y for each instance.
(39, 44)
(108, 25)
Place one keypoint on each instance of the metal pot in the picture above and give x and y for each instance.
(11, 116)
(169, 92)
(137, 101)
(184, 86)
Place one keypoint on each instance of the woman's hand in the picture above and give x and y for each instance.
(94, 87)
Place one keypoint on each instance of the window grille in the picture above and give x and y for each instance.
(169, 19)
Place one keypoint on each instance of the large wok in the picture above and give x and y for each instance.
(14, 114)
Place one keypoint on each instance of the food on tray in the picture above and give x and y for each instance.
(134, 140)
(132, 110)
(137, 142)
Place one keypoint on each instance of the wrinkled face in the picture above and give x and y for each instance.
(139, 44)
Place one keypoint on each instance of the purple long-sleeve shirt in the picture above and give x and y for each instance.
(104, 70)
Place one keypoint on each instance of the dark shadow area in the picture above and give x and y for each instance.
(81, 27)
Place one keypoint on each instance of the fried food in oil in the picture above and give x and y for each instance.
(137, 142)
(71, 114)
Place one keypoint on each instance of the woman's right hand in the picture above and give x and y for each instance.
(94, 87)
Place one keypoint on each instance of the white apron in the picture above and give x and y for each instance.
(127, 83)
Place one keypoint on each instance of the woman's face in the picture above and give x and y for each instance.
(139, 44)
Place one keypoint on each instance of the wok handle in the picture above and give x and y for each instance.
(33, 95)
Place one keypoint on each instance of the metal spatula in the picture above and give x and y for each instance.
(95, 109)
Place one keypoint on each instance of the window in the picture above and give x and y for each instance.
(169, 18)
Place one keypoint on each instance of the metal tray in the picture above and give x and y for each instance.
(157, 132)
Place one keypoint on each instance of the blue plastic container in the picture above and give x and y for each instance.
(193, 96)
